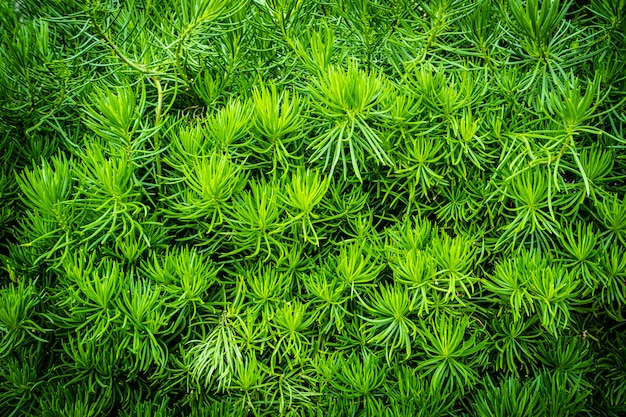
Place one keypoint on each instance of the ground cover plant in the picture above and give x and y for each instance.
(311, 208)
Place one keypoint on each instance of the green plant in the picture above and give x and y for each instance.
(290, 324)
(361, 379)
(511, 398)
(389, 312)
(451, 355)
(255, 220)
(303, 193)
(278, 125)
(17, 313)
(215, 358)
(306, 208)
(346, 100)
(515, 343)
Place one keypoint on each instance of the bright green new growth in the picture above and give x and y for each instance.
(312, 208)
(346, 101)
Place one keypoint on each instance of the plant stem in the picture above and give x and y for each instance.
(157, 139)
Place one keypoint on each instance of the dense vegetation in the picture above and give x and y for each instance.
(312, 208)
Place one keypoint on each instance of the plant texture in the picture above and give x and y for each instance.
(312, 207)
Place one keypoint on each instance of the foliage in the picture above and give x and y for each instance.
(327, 207)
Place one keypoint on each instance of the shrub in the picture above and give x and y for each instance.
(286, 207)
